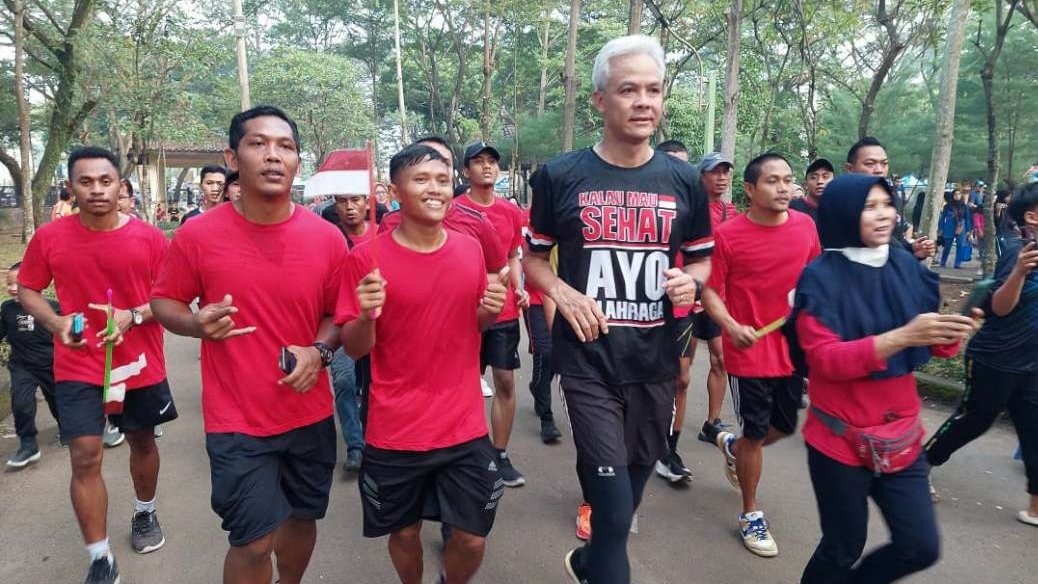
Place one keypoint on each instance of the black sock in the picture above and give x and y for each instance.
(672, 440)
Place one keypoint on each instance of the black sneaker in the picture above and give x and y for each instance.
(550, 433)
(710, 429)
(103, 571)
(675, 460)
(573, 566)
(672, 470)
(353, 460)
(509, 476)
(145, 532)
(27, 452)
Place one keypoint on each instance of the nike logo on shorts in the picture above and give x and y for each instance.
(163, 410)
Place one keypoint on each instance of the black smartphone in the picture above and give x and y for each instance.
(77, 327)
(977, 298)
(287, 361)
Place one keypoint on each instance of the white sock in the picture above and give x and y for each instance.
(146, 506)
(98, 550)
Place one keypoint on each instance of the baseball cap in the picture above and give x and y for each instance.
(474, 150)
(819, 163)
(712, 161)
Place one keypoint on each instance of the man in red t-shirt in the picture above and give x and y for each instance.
(96, 258)
(758, 258)
(427, 454)
(500, 348)
(266, 272)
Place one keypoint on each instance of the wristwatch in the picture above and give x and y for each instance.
(325, 351)
(137, 316)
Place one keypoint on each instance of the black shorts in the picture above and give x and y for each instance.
(761, 402)
(704, 327)
(459, 486)
(619, 425)
(500, 348)
(259, 482)
(81, 408)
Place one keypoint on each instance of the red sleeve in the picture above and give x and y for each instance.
(178, 276)
(518, 222)
(35, 273)
(833, 358)
(945, 351)
(158, 257)
(718, 266)
(389, 222)
(347, 307)
(494, 254)
(333, 280)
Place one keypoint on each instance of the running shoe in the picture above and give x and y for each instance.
(755, 534)
(103, 571)
(584, 521)
(145, 532)
(573, 566)
(725, 440)
(509, 476)
(1026, 518)
(550, 433)
(676, 458)
(112, 437)
(28, 452)
(710, 430)
(485, 387)
(354, 458)
(671, 470)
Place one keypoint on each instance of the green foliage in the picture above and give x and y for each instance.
(161, 71)
(321, 91)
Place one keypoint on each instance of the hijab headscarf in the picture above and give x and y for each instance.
(857, 291)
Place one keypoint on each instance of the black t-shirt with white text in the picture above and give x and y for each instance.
(617, 230)
(32, 345)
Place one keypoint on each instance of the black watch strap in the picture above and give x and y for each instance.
(699, 289)
(325, 351)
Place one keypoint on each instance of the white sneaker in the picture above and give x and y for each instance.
(1025, 517)
(112, 437)
(755, 534)
(487, 390)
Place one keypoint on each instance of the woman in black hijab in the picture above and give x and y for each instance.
(864, 317)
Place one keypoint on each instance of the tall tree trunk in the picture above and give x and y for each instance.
(405, 136)
(731, 83)
(569, 77)
(945, 132)
(24, 127)
(488, 73)
(65, 117)
(634, 16)
(542, 88)
(987, 78)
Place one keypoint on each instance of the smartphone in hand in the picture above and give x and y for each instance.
(287, 361)
(77, 327)
(979, 297)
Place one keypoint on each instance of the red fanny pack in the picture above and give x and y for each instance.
(886, 448)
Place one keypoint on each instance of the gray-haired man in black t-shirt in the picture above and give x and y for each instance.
(619, 213)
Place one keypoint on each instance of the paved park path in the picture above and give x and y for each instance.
(685, 536)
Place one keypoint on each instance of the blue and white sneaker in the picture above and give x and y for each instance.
(725, 440)
(755, 534)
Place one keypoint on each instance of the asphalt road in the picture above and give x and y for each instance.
(685, 535)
